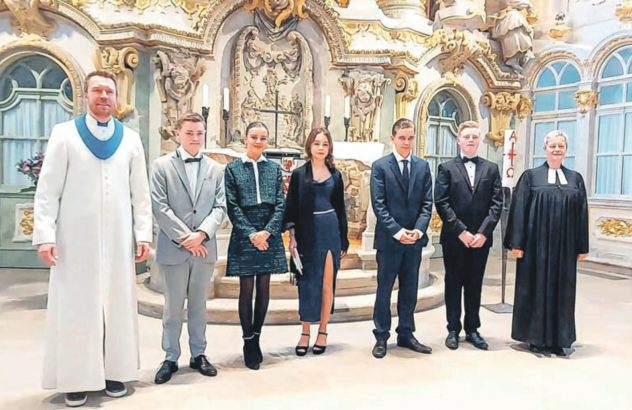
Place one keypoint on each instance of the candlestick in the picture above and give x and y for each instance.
(226, 99)
(327, 106)
(347, 107)
(205, 95)
(205, 116)
(225, 117)
(346, 128)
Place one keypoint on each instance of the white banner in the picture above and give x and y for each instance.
(509, 158)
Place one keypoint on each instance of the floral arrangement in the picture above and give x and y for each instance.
(31, 167)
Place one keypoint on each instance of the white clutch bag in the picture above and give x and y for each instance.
(297, 262)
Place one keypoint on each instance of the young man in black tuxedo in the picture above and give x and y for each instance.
(468, 198)
(401, 195)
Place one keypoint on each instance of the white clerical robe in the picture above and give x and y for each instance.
(91, 209)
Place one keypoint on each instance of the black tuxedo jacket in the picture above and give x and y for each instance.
(398, 207)
(463, 207)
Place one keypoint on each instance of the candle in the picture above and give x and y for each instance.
(327, 106)
(205, 95)
(226, 99)
(347, 107)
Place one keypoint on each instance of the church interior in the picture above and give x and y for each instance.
(520, 68)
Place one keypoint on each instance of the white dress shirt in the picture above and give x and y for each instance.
(400, 162)
(101, 133)
(560, 175)
(470, 167)
(245, 158)
(192, 168)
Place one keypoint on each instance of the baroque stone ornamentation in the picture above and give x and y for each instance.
(280, 10)
(24, 223)
(178, 76)
(524, 108)
(365, 89)
(616, 227)
(457, 48)
(121, 63)
(357, 181)
(400, 8)
(407, 90)
(27, 17)
(272, 75)
(502, 106)
(435, 223)
(623, 11)
(560, 30)
(586, 100)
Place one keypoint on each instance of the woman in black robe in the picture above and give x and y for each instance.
(547, 232)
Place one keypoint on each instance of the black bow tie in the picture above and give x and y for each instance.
(188, 160)
(473, 160)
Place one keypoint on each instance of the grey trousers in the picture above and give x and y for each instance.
(189, 280)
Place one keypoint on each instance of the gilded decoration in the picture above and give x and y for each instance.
(457, 48)
(435, 223)
(177, 77)
(586, 100)
(24, 220)
(524, 108)
(365, 91)
(121, 62)
(279, 11)
(546, 58)
(600, 57)
(502, 106)
(26, 224)
(615, 227)
(623, 11)
(272, 75)
(190, 7)
(34, 45)
(407, 90)
(27, 17)
(401, 8)
(560, 30)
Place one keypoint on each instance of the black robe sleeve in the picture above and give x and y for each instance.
(582, 217)
(517, 222)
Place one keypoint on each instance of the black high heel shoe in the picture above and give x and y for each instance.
(302, 350)
(319, 349)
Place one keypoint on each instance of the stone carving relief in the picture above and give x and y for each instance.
(458, 47)
(509, 24)
(407, 91)
(357, 180)
(365, 89)
(272, 81)
(524, 108)
(586, 100)
(623, 11)
(177, 76)
(459, 15)
(27, 17)
(502, 106)
(121, 62)
(615, 227)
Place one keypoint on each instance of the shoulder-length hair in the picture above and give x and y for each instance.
(329, 160)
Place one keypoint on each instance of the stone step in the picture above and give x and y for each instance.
(285, 311)
(352, 282)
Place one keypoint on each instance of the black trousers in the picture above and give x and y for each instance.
(464, 271)
(402, 262)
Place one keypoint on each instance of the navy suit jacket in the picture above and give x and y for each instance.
(397, 207)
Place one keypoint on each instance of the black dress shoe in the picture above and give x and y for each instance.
(477, 340)
(452, 341)
(379, 350)
(167, 368)
(115, 389)
(202, 364)
(535, 349)
(413, 344)
(558, 351)
(76, 399)
(251, 360)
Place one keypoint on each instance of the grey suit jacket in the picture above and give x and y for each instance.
(179, 211)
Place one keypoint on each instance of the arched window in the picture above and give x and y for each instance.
(614, 126)
(35, 94)
(444, 116)
(555, 108)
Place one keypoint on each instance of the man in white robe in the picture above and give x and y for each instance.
(92, 201)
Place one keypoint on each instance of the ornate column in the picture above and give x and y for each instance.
(502, 106)
(406, 91)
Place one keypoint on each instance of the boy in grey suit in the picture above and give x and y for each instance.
(187, 192)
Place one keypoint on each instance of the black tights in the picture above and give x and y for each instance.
(262, 299)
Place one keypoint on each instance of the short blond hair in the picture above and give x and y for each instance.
(468, 124)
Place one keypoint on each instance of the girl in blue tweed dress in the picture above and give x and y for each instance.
(255, 202)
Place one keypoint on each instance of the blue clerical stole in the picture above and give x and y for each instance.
(100, 149)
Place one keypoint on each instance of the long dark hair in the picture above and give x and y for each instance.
(329, 160)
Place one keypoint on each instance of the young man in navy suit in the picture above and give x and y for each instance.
(401, 195)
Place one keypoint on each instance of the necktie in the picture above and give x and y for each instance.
(188, 160)
(405, 173)
(474, 160)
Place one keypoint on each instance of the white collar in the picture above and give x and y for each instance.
(399, 158)
(93, 122)
(245, 158)
(560, 175)
(185, 155)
